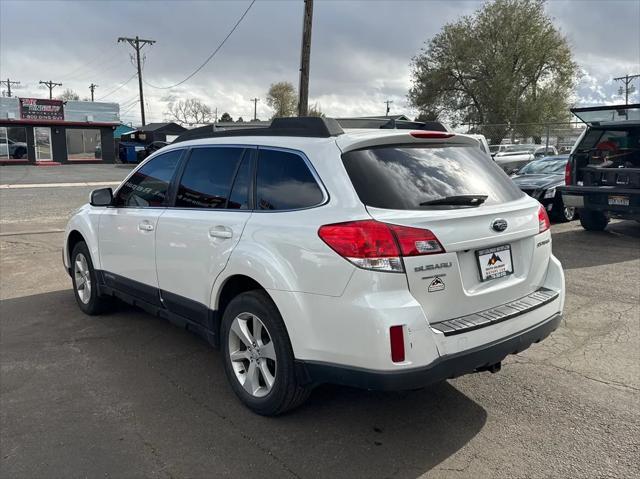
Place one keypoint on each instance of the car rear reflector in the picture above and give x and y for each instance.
(543, 220)
(396, 338)
(431, 134)
(370, 244)
(567, 173)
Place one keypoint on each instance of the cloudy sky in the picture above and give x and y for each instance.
(360, 54)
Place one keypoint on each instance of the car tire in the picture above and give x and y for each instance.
(260, 369)
(561, 213)
(19, 153)
(593, 220)
(85, 282)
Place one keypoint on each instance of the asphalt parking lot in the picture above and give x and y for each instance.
(129, 395)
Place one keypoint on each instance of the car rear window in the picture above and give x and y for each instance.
(402, 177)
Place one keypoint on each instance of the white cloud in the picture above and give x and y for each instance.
(360, 54)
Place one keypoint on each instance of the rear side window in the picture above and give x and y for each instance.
(403, 177)
(149, 185)
(284, 182)
(206, 181)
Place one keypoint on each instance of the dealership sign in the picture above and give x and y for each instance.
(40, 109)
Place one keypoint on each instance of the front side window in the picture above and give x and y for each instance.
(83, 144)
(418, 177)
(284, 182)
(149, 185)
(206, 181)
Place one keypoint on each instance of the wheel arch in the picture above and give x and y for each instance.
(83, 226)
(229, 288)
(73, 239)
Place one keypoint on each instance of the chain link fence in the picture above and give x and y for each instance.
(562, 136)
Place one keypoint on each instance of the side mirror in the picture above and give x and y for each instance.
(101, 197)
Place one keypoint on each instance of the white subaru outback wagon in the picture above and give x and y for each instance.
(382, 259)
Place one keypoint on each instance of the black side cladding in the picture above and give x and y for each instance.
(312, 127)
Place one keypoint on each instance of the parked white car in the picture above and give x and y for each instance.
(383, 259)
(514, 157)
(483, 143)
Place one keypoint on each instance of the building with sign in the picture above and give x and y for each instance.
(49, 132)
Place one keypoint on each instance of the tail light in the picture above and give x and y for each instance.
(370, 244)
(543, 220)
(567, 173)
(396, 338)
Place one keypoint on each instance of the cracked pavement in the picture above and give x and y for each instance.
(128, 395)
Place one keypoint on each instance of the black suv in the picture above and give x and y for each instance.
(603, 172)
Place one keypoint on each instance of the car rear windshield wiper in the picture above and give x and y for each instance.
(465, 200)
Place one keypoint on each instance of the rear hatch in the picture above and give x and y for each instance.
(485, 224)
(608, 153)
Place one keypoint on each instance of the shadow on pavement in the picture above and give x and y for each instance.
(578, 248)
(127, 394)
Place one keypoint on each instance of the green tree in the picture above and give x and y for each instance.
(239, 120)
(282, 99)
(69, 95)
(506, 63)
(226, 117)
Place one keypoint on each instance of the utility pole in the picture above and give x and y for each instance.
(92, 87)
(255, 108)
(9, 83)
(305, 57)
(628, 87)
(388, 102)
(50, 85)
(138, 43)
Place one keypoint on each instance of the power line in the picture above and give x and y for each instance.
(210, 56)
(118, 87)
(50, 85)
(9, 83)
(138, 44)
(73, 74)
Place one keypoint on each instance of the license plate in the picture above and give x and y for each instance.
(495, 262)
(619, 200)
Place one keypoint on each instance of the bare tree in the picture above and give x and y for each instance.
(189, 112)
(315, 110)
(68, 95)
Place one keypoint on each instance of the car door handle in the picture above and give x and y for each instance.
(221, 232)
(145, 226)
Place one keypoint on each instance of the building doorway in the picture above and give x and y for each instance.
(43, 143)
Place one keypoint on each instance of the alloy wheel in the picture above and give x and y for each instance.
(569, 213)
(82, 278)
(252, 354)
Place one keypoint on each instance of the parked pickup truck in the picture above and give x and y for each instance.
(602, 176)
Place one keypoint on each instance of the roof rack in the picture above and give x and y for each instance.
(314, 127)
(390, 123)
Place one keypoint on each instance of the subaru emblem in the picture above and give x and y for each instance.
(499, 225)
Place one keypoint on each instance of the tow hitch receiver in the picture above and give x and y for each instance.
(492, 368)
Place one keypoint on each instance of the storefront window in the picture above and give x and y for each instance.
(83, 144)
(13, 143)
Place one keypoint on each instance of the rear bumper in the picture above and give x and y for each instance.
(445, 367)
(597, 199)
